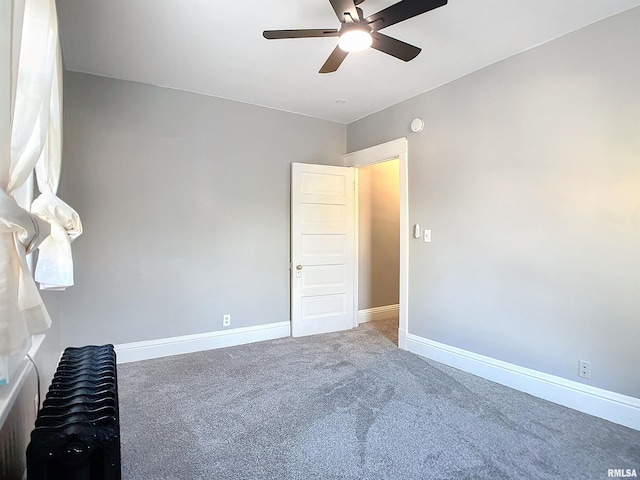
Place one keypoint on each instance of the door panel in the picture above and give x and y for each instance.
(323, 245)
(330, 216)
(323, 184)
(322, 248)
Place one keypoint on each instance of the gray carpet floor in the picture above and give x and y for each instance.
(348, 405)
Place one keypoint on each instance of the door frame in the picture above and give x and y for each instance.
(395, 149)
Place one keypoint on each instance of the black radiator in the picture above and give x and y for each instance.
(77, 431)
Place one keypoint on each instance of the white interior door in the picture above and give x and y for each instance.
(322, 248)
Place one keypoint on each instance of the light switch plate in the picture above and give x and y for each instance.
(427, 235)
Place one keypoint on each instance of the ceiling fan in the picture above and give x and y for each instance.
(358, 33)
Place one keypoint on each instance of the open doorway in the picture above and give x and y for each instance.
(378, 227)
(387, 153)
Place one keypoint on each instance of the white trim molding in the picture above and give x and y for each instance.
(374, 314)
(617, 408)
(165, 347)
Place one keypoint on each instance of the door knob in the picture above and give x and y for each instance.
(298, 267)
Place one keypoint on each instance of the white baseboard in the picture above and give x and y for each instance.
(617, 408)
(379, 313)
(164, 347)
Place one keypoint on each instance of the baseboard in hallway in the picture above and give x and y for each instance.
(386, 312)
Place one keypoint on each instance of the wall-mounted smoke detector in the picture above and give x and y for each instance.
(417, 124)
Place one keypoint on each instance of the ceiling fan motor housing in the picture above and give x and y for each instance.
(355, 37)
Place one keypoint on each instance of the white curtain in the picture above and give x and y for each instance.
(35, 100)
(54, 270)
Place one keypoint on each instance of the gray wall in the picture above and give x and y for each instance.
(378, 235)
(49, 352)
(185, 205)
(528, 174)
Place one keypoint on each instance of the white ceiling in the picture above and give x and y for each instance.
(216, 48)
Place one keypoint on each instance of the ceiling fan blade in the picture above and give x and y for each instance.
(402, 11)
(394, 47)
(344, 6)
(334, 61)
(305, 33)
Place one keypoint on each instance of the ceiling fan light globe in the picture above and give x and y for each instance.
(355, 40)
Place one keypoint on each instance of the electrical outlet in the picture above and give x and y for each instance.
(226, 320)
(585, 369)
